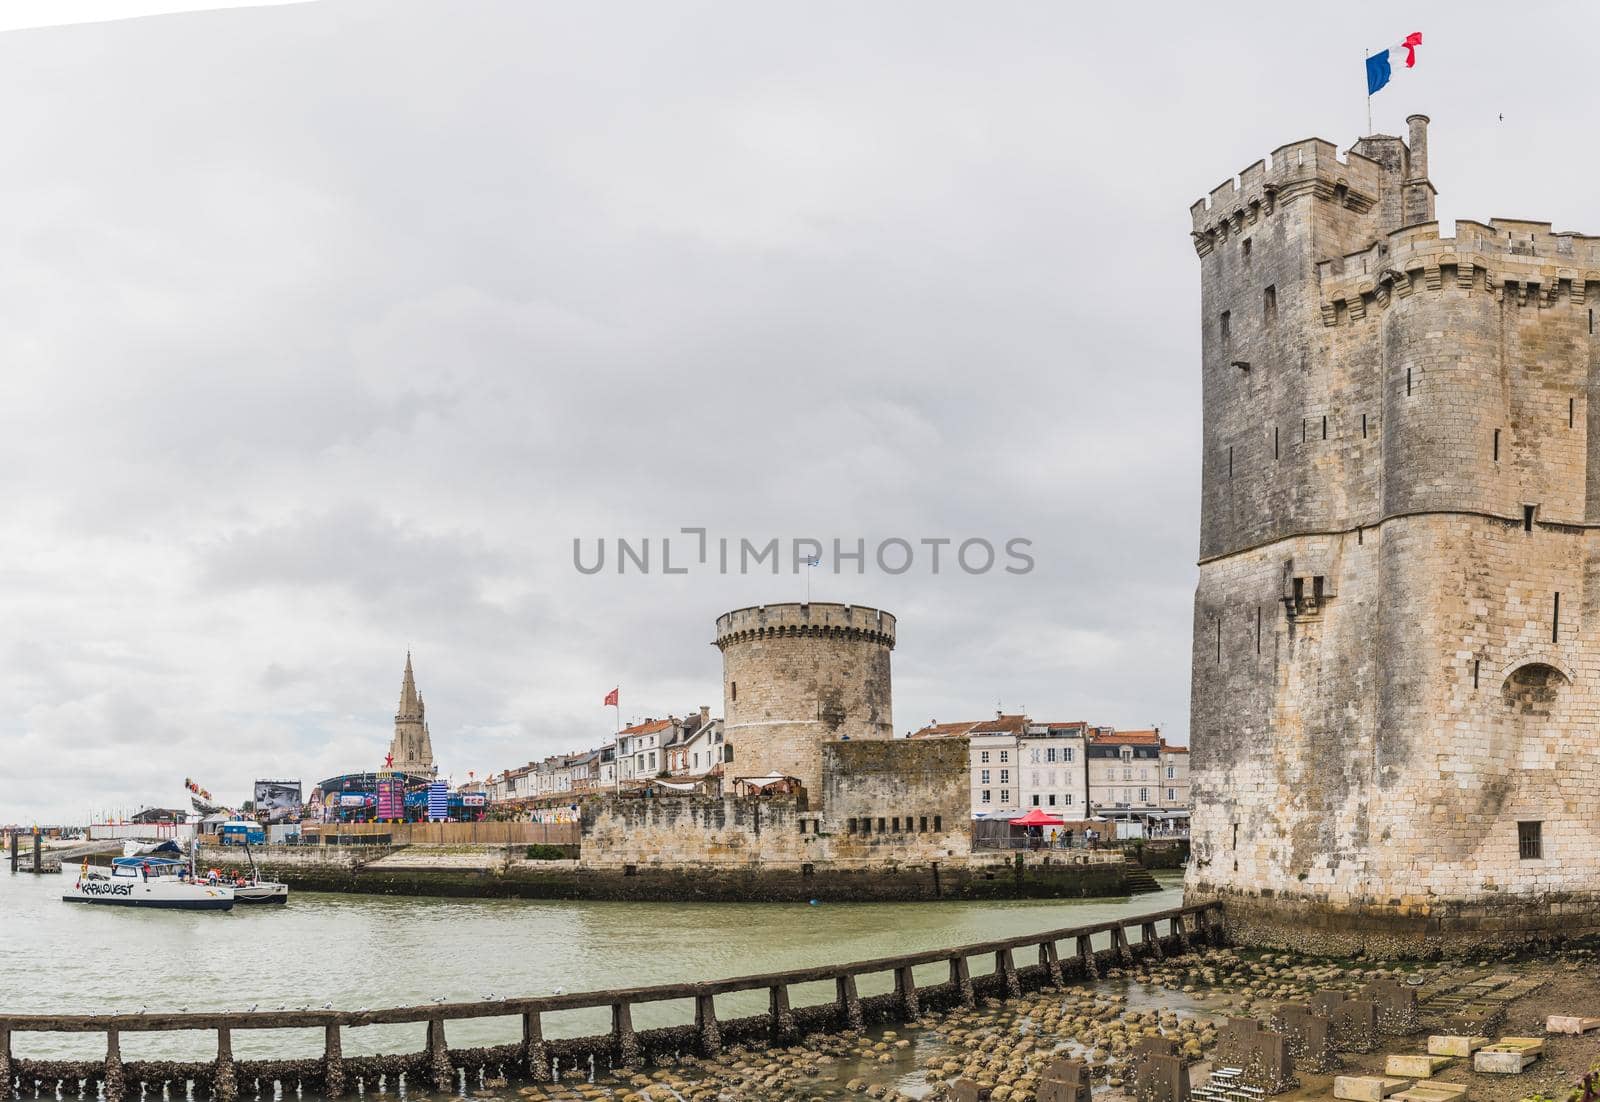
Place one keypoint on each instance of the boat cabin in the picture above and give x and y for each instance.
(147, 867)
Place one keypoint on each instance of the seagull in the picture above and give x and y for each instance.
(489, 998)
(142, 1009)
(363, 1010)
(183, 1010)
(440, 999)
(327, 1006)
(283, 1008)
(253, 1007)
(561, 991)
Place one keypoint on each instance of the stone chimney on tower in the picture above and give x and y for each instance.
(1418, 189)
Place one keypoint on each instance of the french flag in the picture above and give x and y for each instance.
(1380, 66)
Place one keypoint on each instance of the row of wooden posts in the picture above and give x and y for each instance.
(537, 1059)
(38, 851)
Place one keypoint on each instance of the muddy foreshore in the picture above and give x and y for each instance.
(1002, 1047)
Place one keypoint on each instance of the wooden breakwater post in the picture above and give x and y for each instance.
(531, 1057)
(38, 853)
(14, 847)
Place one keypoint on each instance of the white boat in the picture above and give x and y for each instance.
(147, 881)
(261, 891)
(253, 889)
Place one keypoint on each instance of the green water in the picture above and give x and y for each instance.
(369, 951)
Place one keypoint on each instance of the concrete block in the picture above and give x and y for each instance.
(1531, 1045)
(1502, 1060)
(1367, 1088)
(1566, 1023)
(1064, 1081)
(1432, 1092)
(1445, 1044)
(1414, 1065)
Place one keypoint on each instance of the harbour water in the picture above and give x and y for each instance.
(356, 951)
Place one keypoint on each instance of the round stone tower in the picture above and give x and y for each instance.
(797, 675)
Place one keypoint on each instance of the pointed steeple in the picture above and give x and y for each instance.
(410, 702)
(411, 751)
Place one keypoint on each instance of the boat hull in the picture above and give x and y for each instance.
(158, 904)
(159, 893)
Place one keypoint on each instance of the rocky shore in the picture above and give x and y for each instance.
(1001, 1048)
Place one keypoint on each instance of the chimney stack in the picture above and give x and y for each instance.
(1418, 190)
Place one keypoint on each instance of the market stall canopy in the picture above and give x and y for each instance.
(1037, 818)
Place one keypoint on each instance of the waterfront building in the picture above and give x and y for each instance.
(1053, 768)
(585, 771)
(996, 785)
(639, 754)
(1174, 781)
(695, 747)
(1017, 763)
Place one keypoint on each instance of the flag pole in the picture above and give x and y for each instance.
(1367, 55)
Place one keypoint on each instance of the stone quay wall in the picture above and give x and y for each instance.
(1395, 685)
(887, 802)
(500, 874)
(439, 1067)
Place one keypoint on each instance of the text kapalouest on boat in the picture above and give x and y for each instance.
(696, 550)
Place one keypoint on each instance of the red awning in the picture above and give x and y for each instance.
(1037, 818)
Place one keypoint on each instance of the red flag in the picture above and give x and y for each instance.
(611, 697)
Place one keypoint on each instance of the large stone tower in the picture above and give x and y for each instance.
(1394, 672)
(797, 675)
(411, 747)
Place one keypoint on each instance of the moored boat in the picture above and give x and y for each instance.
(145, 881)
(261, 891)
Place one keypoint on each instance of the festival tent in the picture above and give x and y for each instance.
(1037, 818)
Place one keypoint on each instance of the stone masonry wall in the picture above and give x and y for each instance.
(796, 676)
(1393, 660)
(899, 799)
(889, 802)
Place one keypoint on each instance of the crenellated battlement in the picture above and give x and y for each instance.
(1309, 167)
(1506, 255)
(818, 618)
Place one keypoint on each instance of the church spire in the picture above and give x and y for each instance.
(411, 751)
(410, 702)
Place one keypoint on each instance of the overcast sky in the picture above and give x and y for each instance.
(326, 328)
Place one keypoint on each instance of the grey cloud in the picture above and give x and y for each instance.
(328, 327)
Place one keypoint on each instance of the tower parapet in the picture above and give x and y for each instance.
(819, 618)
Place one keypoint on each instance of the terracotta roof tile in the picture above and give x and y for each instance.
(1130, 738)
(648, 727)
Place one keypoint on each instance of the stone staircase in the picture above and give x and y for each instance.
(1138, 879)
